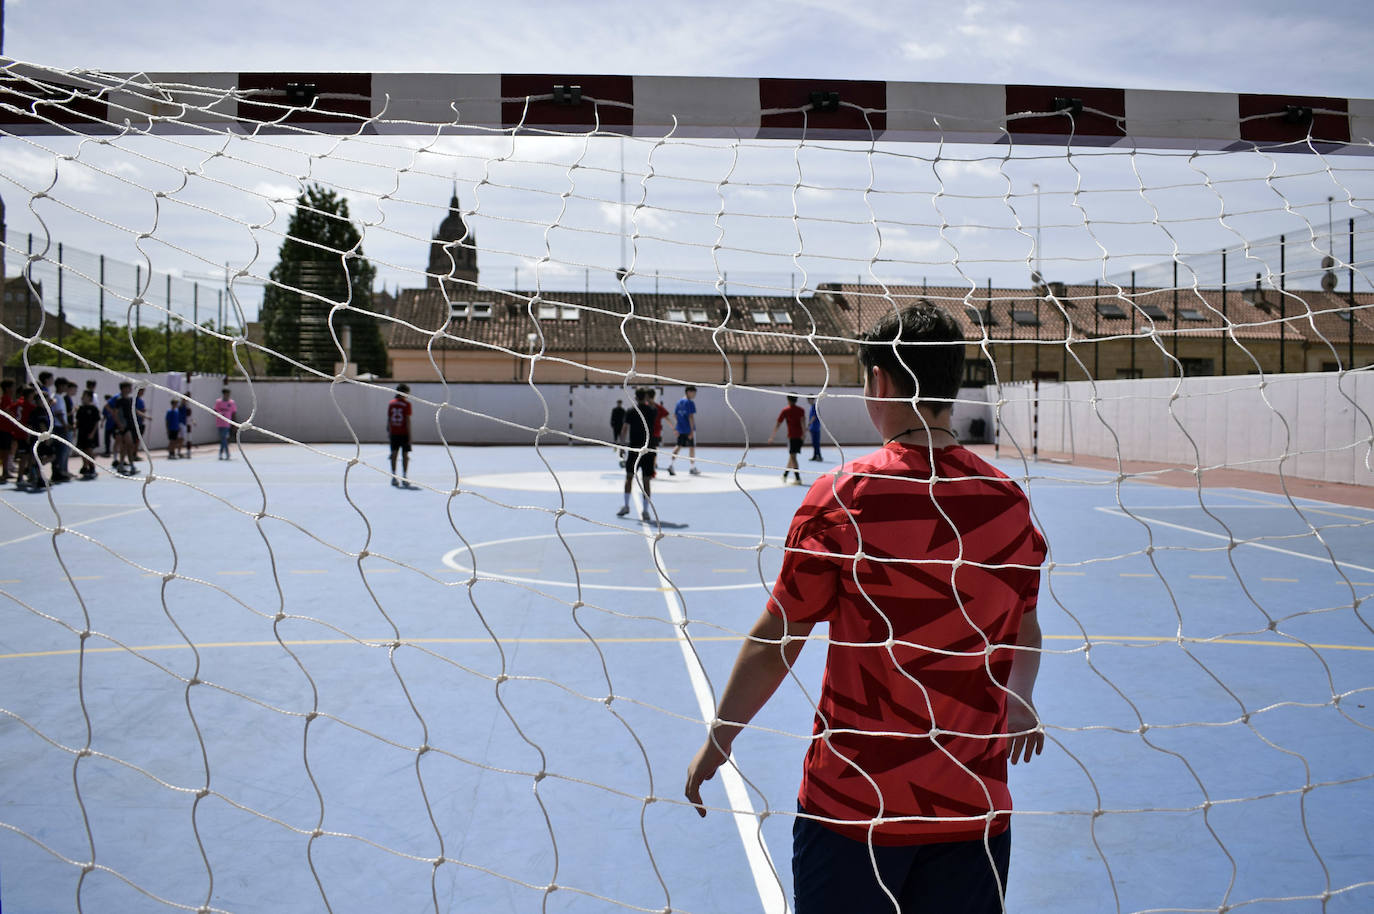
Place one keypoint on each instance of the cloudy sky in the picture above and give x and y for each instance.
(857, 212)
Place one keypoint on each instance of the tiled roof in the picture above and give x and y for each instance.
(610, 322)
(1101, 311)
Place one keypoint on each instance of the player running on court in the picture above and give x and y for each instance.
(925, 563)
(791, 414)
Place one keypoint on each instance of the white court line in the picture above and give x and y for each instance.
(746, 822)
(79, 523)
(1325, 560)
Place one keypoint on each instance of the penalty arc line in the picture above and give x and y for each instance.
(746, 822)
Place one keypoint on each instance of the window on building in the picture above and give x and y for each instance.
(1191, 314)
(698, 315)
(548, 312)
(677, 314)
(761, 317)
(570, 312)
(458, 309)
(782, 317)
(1110, 309)
(1153, 312)
(481, 309)
(981, 315)
(1198, 368)
(1025, 318)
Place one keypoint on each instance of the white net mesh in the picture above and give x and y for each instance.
(268, 687)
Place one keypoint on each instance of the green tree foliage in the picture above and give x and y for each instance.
(184, 349)
(321, 265)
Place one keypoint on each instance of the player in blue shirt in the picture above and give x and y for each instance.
(174, 422)
(686, 414)
(814, 426)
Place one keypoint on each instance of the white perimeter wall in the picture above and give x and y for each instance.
(321, 412)
(1317, 426)
(514, 413)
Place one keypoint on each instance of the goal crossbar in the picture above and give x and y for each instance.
(41, 101)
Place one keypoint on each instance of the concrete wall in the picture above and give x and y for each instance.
(513, 413)
(1317, 426)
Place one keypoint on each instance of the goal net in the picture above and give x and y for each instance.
(261, 683)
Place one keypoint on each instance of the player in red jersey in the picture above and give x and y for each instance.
(794, 417)
(925, 563)
(398, 429)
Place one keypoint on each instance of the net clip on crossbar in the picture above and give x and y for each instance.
(571, 96)
(300, 94)
(1065, 104)
(1300, 115)
(825, 101)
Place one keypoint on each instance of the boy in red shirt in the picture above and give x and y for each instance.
(794, 417)
(398, 428)
(925, 563)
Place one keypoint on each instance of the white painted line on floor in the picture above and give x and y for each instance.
(1323, 559)
(80, 523)
(1209, 577)
(746, 822)
(1281, 580)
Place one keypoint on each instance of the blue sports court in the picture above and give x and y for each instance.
(280, 684)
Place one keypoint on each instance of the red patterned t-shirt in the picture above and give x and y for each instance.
(918, 633)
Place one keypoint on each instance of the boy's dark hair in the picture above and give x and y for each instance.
(126, 385)
(907, 345)
(690, 388)
(403, 388)
(44, 377)
(792, 399)
(6, 384)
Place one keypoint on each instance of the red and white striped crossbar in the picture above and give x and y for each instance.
(34, 100)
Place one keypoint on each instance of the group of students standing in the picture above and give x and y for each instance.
(44, 424)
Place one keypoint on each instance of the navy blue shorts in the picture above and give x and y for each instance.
(833, 873)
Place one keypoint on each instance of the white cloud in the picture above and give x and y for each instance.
(923, 50)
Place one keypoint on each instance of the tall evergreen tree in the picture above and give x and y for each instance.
(321, 264)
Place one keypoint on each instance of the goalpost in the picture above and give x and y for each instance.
(1175, 278)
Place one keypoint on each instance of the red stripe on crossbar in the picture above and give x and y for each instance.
(313, 98)
(1281, 119)
(861, 114)
(606, 102)
(47, 102)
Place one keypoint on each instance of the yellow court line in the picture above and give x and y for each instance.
(1097, 641)
(1209, 577)
(11, 581)
(1282, 580)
